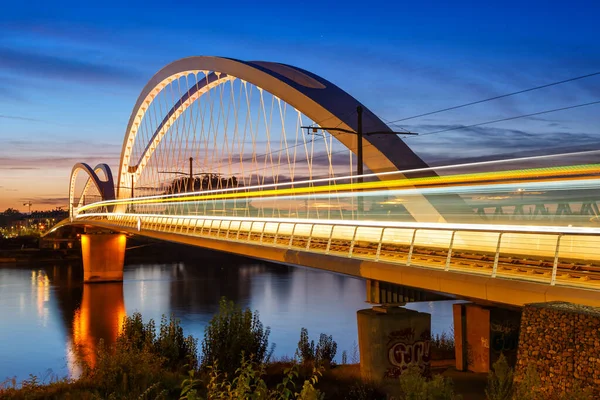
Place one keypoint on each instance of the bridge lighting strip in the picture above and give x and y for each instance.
(377, 174)
(541, 229)
(407, 182)
(460, 190)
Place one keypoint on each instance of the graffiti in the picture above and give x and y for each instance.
(506, 327)
(404, 351)
(404, 334)
(402, 355)
(485, 343)
(504, 336)
(504, 342)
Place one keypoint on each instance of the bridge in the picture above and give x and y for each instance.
(217, 154)
(265, 160)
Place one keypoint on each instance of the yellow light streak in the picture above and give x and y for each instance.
(512, 176)
(571, 230)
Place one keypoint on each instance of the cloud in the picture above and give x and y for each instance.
(29, 162)
(20, 118)
(53, 201)
(61, 68)
(485, 140)
(19, 168)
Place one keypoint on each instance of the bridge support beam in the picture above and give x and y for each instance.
(481, 334)
(103, 257)
(391, 339)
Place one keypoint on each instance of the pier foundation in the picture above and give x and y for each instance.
(391, 339)
(481, 334)
(103, 257)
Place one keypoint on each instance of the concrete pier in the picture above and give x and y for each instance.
(481, 334)
(103, 257)
(391, 339)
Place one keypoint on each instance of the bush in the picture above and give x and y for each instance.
(442, 346)
(249, 384)
(321, 354)
(170, 344)
(139, 365)
(233, 332)
(177, 349)
(502, 386)
(364, 391)
(500, 381)
(416, 387)
(306, 349)
(326, 350)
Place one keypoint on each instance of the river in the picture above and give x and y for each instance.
(47, 313)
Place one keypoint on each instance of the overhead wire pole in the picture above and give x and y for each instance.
(359, 147)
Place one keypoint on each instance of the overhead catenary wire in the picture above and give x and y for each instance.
(495, 97)
(510, 118)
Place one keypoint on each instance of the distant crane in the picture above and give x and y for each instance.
(28, 204)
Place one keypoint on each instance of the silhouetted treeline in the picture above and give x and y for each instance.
(202, 182)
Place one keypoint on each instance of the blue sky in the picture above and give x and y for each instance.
(70, 73)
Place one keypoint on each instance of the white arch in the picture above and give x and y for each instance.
(105, 187)
(315, 97)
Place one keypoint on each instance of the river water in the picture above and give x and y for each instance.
(47, 315)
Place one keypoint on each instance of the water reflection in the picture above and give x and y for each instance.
(99, 317)
(49, 319)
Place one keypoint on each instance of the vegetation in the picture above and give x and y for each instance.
(151, 363)
(442, 346)
(503, 386)
(203, 182)
(500, 381)
(321, 354)
(141, 364)
(249, 384)
(415, 386)
(231, 332)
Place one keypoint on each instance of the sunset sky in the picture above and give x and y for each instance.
(70, 73)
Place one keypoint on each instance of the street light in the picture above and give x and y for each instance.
(359, 150)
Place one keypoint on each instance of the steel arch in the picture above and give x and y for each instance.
(106, 187)
(317, 98)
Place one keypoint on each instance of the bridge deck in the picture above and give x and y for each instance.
(499, 256)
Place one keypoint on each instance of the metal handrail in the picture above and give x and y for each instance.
(171, 223)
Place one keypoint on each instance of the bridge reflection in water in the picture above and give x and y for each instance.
(98, 318)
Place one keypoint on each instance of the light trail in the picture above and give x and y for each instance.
(580, 172)
(380, 174)
(495, 228)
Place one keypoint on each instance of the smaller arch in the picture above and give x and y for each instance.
(106, 187)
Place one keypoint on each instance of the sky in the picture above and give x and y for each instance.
(70, 73)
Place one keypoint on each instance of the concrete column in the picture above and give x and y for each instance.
(391, 339)
(481, 334)
(103, 257)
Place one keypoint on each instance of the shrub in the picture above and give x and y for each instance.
(249, 384)
(442, 346)
(306, 349)
(326, 350)
(177, 349)
(233, 332)
(500, 381)
(321, 354)
(416, 387)
(170, 344)
(364, 391)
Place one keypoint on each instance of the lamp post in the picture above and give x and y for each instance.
(359, 148)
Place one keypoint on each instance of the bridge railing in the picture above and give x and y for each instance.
(552, 255)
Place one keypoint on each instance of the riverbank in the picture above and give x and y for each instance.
(29, 255)
(149, 361)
